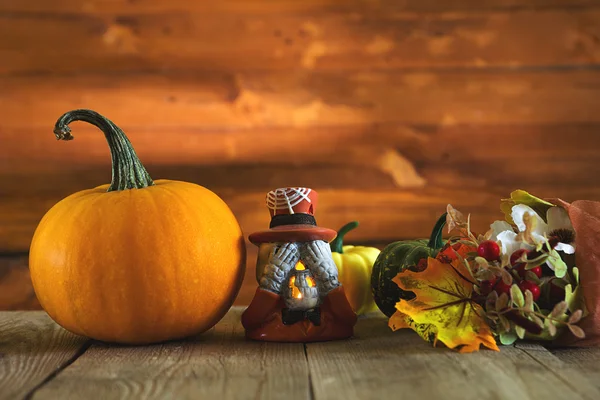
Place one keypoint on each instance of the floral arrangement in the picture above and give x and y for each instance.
(517, 281)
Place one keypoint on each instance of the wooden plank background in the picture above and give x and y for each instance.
(391, 110)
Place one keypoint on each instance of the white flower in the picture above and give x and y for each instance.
(502, 232)
(557, 218)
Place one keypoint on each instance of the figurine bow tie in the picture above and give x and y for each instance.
(290, 317)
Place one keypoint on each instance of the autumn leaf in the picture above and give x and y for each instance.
(442, 309)
(455, 221)
(451, 252)
(428, 332)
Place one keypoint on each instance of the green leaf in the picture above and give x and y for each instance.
(551, 327)
(530, 276)
(569, 297)
(520, 331)
(574, 299)
(517, 296)
(508, 338)
(558, 265)
(522, 197)
(575, 272)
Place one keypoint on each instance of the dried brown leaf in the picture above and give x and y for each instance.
(528, 301)
(482, 262)
(537, 320)
(576, 331)
(486, 236)
(506, 277)
(559, 309)
(575, 317)
(505, 324)
(505, 261)
(516, 317)
(454, 219)
(502, 302)
(490, 301)
(485, 275)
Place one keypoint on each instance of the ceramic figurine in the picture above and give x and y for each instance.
(299, 298)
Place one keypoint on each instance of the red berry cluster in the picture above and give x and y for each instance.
(490, 250)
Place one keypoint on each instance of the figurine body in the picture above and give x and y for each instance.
(299, 298)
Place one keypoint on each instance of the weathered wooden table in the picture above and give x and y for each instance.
(40, 360)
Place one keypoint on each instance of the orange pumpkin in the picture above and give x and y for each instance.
(136, 261)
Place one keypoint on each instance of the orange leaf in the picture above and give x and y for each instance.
(442, 307)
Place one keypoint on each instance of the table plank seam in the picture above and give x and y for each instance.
(553, 372)
(311, 386)
(84, 347)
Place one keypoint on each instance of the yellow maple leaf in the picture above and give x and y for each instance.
(443, 308)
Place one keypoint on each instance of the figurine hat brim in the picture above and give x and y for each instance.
(292, 218)
(293, 233)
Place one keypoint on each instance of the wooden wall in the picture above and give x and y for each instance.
(390, 109)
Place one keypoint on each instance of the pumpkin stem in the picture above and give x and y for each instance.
(338, 243)
(127, 169)
(435, 240)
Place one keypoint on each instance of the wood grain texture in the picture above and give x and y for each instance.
(371, 156)
(261, 7)
(583, 380)
(581, 362)
(220, 364)
(32, 348)
(348, 40)
(222, 101)
(231, 102)
(379, 363)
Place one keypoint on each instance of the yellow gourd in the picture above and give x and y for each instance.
(355, 264)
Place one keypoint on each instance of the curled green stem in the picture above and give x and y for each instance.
(337, 245)
(127, 169)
